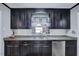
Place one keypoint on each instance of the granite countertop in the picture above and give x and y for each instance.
(40, 37)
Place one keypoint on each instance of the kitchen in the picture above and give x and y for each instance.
(28, 29)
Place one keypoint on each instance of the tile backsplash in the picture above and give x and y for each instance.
(58, 31)
(29, 31)
(72, 33)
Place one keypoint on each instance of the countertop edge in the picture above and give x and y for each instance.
(54, 37)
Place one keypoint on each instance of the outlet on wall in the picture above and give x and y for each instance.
(73, 32)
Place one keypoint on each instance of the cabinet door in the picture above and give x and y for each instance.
(41, 48)
(64, 22)
(20, 19)
(11, 48)
(50, 12)
(71, 48)
(46, 49)
(57, 18)
(61, 19)
(15, 16)
(25, 48)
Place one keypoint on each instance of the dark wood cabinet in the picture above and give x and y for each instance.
(37, 48)
(21, 18)
(51, 17)
(60, 19)
(25, 48)
(71, 48)
(28, 48)
(41, 48)
(12, 48)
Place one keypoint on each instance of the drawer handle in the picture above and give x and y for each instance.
(40, 46)
(13, 46)
(26, 44)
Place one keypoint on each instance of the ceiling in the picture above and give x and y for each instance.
(40, 5)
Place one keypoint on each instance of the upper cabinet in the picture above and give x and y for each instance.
(21, 18)
(60, 19)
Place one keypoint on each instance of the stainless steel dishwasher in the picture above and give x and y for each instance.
(58, 48)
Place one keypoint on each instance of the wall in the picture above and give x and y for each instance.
(5, 26)
(5, 21)
(0, 34)
(78, 35)
(73, 19)
(0, 23)
(74, 25)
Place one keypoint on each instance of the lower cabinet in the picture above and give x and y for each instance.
(28, 48)
(11, 48)
(71, 48)
(39, 48)
(25, 48)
